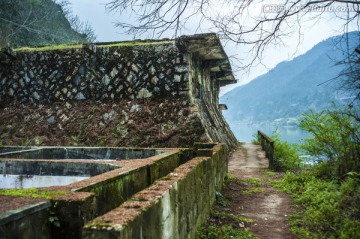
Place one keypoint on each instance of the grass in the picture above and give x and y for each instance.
(251, 186)
(224, 228)
(226, 216)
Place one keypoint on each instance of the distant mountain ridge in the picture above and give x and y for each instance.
(293, 87)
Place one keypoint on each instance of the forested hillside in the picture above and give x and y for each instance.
(295, 86)
(40, 22)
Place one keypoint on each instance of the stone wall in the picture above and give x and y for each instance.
(159, 94)
(94, 72)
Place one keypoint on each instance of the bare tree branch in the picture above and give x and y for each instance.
(258, 31)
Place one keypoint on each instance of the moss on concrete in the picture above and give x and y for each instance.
(32, 193)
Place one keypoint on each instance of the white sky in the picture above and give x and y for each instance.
(95, 14)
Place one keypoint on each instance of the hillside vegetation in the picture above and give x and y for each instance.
(295, 86)
(39, 22)
(326, 192)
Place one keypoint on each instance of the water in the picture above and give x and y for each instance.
(244, 132)
(107, 156)
(32, 181)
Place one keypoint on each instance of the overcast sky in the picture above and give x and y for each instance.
(95, 14)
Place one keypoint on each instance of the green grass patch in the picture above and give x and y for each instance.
(226, 216)
(252, 181)
(253, 190)
(251, 186)
(32, 193)
(223, 232)
(269, 173)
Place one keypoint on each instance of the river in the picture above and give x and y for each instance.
(244, 132)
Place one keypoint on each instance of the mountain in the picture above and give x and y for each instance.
(37, 22)
(295, 86)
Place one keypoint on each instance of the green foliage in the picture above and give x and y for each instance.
(326, 207)
(221, 200)
(287, 154)
(335, 139)
(53, 218)
(328, 193)
(255, 139)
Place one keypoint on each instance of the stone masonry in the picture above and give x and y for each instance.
(179, 77)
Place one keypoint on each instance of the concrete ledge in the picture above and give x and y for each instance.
(21, 223)
(172, 207)
(22, 212)
(109, 190)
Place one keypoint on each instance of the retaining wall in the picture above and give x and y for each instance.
(97, 72)
(172, 87)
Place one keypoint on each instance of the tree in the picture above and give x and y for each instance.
(335, 138)
(39, 22)
(234, 20)
(351, 73)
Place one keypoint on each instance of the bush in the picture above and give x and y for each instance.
(335, 139)
(286, 153)
(328, 209)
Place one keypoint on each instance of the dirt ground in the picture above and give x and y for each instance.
(265, 205)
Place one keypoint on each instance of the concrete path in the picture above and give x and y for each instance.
(270, 208)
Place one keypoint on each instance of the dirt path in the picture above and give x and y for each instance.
(268, 207)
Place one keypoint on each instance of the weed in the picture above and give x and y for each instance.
(221, 200)
(53, 218)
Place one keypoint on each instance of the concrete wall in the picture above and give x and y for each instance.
(20, 223)
(109, 191)
(172, 207)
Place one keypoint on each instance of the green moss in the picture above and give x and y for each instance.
(136, 43)
(77, 46)
(31, 193)
(50, 48)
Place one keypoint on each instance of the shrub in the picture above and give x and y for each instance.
(286, 153)
(328, 209)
